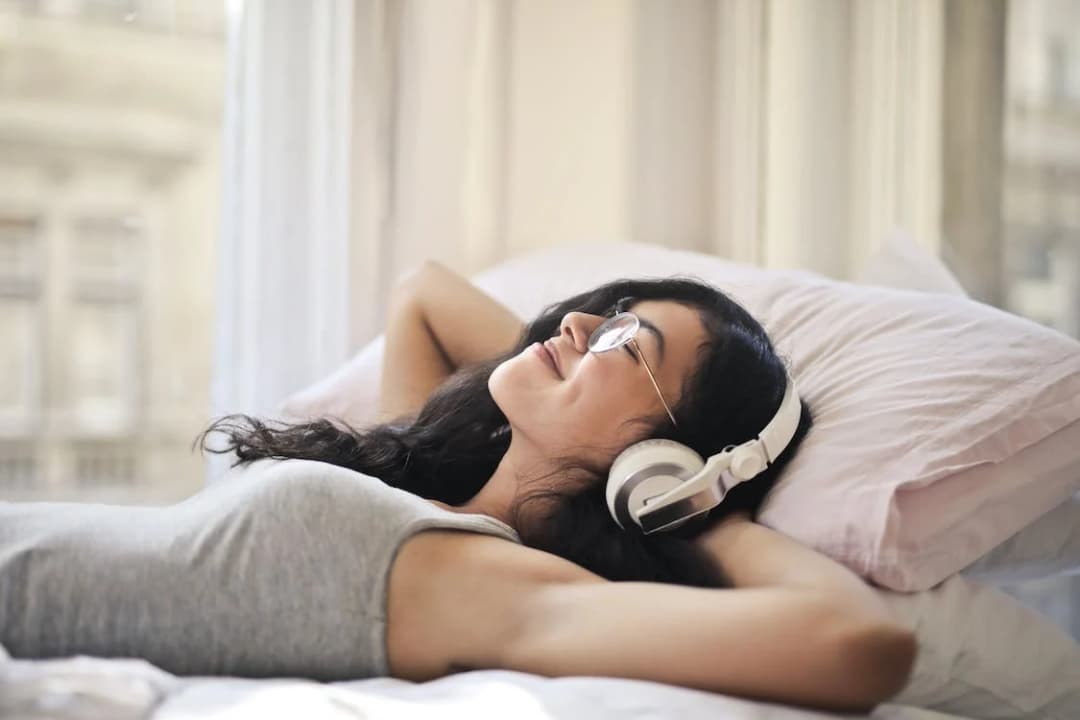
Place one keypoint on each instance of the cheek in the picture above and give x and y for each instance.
(614, 402)
(520, 387)
(592, 403)
(552, 412)
(601, 400)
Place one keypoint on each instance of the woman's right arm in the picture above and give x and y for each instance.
(798, 627)
(501, 605)
(775, 644)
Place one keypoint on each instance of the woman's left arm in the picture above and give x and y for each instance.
(480, 602)
(469, 325)
(438, 321)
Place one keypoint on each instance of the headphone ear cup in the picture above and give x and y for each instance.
(643, 471)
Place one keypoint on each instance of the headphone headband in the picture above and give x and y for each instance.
(778, 433)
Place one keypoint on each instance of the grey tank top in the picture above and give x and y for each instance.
(278, 569)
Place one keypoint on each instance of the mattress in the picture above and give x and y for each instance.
(84, 688)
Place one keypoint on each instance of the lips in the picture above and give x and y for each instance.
(554, 353)
(548, 356)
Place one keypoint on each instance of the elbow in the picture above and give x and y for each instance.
(880, 659)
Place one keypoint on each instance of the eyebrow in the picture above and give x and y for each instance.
(656, 333)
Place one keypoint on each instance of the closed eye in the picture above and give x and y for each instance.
(632, 353)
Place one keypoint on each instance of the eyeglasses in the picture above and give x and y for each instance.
(615, 332)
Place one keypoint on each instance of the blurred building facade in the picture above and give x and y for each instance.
(110, 115)
(1040, 203)
(1041, 176)
(1011, 181)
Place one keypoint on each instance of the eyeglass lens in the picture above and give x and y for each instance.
(613, 332)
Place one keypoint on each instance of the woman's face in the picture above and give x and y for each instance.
(585, 403)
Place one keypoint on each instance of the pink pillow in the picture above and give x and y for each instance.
(918, 399)
(1050, 544)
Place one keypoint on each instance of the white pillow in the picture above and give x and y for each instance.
(901, 262)
(1047, 547)
(983, 654)
(920, 402)
(351, 392)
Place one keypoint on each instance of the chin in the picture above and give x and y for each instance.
(522, 393)
(502, 390)
(511, 376)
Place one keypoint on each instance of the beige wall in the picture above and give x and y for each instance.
(765, 132)
(570, 102)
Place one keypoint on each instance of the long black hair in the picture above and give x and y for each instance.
(452, 446)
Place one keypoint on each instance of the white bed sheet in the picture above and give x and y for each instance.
(494, 694)
(93, 688)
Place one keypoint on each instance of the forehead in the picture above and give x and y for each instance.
(680, 325)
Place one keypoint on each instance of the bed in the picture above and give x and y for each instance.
(85, 688)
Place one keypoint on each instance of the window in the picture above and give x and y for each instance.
(1025, 170)
(20, 310)
(112, 114)
(1041, 164)
(19, 466)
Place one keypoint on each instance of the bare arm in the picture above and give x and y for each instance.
(752, 555)
(770, 643)
(495, 604)
(798, 628)
(438, 321)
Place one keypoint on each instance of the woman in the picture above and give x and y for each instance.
(477, 422)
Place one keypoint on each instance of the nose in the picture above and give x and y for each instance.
(577, 327)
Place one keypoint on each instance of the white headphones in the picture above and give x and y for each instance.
(661, 484)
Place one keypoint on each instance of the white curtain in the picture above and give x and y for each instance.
(283, 281)
(488, 128)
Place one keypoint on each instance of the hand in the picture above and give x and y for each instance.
(737, 515)
(750, 554)
(715, 537)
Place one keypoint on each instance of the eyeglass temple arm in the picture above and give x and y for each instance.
(653, 380)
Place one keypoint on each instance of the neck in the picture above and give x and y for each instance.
(521, 464)
(522, 460)
(496, 497)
